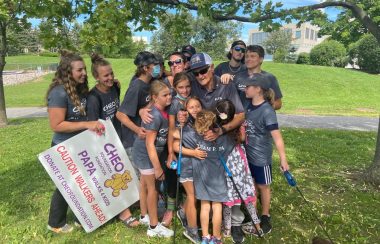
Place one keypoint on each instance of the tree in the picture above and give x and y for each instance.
(348, 29)
(329, 53)
(278, 44)
(145, 14)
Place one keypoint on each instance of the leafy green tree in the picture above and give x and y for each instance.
(23, 37)
(347, 28)
(366, 53)
(174, 32)
(278, 44)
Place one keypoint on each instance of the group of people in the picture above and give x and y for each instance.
(221, 121)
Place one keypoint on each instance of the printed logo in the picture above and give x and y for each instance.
(118, 182)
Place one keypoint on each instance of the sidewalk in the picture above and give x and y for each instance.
(285, 120)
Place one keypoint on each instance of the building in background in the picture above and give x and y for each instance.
(143, 39)
(304, 38)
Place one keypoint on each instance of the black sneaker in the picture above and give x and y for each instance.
(237, 234)
(265, 224)
(192, 235)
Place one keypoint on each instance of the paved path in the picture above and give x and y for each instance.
(285, 120)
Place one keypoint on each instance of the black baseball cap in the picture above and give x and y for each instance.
(189, 49)
(145, 58)
(258, 80)
(238, 42)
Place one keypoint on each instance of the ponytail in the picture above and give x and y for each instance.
(268, 95)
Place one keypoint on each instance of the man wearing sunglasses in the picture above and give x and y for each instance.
(236, 60)
(210, 90)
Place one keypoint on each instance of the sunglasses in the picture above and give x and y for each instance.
(177, 61)
(201, 72)
(239, 49)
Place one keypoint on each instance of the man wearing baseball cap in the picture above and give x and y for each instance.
(188, 51)
(236, 60)
(210, 90)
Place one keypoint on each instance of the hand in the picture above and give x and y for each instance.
(141, 133)
(170, 159)
(159, 174)
(97, 127)
(200, 154)
(182, 117)
(211, 135)
(145, 115)
(226, 78)
(284, 166)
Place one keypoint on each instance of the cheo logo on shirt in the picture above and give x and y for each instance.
(241, 87)
(82, 104)
(147, 99)
(109, 106)
(218, 99)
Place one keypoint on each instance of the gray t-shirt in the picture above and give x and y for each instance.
(225, 68)
(241, 79)
(104, 106)
(136, 97)
(260, 119)
(219, 92)
(208, 174)
(160, 124)
(58, 98)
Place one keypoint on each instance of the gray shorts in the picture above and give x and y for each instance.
(129, 151)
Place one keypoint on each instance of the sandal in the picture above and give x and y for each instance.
(131, 222)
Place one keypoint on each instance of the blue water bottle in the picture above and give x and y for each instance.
(289, 177)
(173, 164)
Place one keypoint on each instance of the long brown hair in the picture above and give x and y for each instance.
(268, 95)
(63, 76)
(205, 121)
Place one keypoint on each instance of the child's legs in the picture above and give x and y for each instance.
(151, 199)
(265, 198)
(216, 219)
(143, 196)
(263, 178)
(227, 212)
(205, 216)
(190, 209)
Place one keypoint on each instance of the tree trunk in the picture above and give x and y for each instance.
(3, 50)
(372, 174)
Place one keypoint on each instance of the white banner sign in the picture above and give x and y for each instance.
(94, 175)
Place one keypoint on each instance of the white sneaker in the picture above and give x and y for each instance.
(160, 231)
(145, 220)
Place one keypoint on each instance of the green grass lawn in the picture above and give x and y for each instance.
(307, 89)
(325, 163)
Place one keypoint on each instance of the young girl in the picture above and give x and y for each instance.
(262, 126)
(238, 166)
(189, 213)
(66, 101)
(182, 88)
(208, 174)
(146, 154)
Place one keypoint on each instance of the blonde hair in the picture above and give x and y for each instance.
(204, 121)
(156, 87)
(63, 76)
(97, 61)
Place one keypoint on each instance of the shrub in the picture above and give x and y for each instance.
(303, 58)
(366, 53)
(329, 53)
(280, 55)
(48, 54)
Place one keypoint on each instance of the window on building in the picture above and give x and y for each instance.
(312, 35)
(307, 33)
(298, 34)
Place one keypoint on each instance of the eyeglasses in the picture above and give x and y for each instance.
(239, 49)
(177, 61)
(201, 72)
